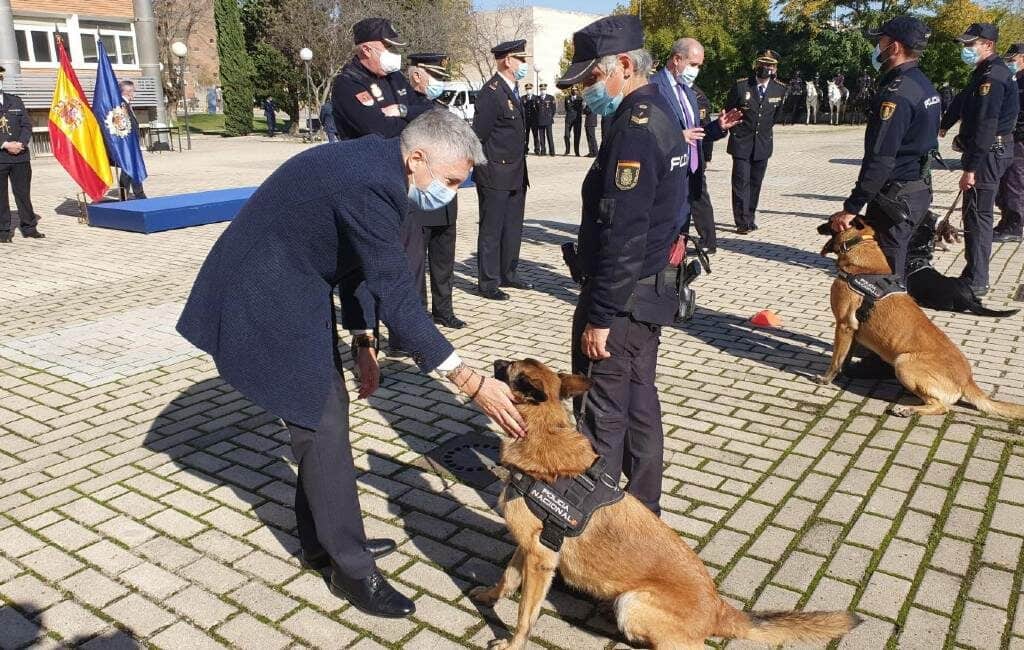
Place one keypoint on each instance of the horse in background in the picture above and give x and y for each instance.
(835, 102)
(812, 102)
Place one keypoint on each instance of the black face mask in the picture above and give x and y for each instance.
(764, 72)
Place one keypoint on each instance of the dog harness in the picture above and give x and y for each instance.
(874, 288)
(565, 508)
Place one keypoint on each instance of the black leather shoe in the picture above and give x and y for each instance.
(496, 294)
(320, 560)
(1005, 237)
(743, 230)
(6, 237)
(35, 234)
(450, 321)
(373, 595)
(870, 367)
(518, 284)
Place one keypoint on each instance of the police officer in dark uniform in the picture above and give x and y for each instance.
(501, 184)
(1011, 190)
(894, 184)
(370, 94)
(590, 128)
(426, 74)
(761, 97)
(633, 205)
(701, 211)
(546, 109)
(988, 112)
(529, 100)
(794, 99)
(16, 165)
(573, 120)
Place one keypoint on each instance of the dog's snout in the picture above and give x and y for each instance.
(501, 369)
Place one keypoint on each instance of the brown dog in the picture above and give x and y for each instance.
(663, 594)
(927, 363)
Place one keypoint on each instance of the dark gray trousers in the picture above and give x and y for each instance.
(979, 204)
(622, 417)
(327, 509)
(500, 237)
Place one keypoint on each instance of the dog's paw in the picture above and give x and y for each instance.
(901, 411)
(500, 644)
(823, 380)
(483, 595)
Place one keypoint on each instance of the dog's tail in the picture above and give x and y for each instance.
(977, 398)
(982, 310)
(775, 628)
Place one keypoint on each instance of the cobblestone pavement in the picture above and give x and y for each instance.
(144, 501)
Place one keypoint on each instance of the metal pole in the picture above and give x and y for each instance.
(149, 59)
(184, 99)
(309, 103)
(8, 46)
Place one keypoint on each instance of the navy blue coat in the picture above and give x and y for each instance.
(261, 305)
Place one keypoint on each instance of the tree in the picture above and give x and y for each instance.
(236, 70)
(176, 20)
(510, 21)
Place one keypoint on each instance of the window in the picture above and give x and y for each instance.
(118, 40)
(35, 43)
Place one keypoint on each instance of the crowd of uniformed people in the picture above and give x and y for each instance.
(263, 306)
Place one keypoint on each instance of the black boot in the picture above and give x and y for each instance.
(372, 594)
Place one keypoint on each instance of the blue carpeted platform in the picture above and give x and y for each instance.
(170, 212)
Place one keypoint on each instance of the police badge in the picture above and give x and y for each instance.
(375, 89)
(627, 174)
(5, 125)
(886, 110)
(984, 88)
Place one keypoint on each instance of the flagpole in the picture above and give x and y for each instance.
(83, 210)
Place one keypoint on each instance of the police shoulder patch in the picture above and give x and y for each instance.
(627, 174)
(640, 115)
(364, 98)
(493, 85)
(985, 88)
(886, 110)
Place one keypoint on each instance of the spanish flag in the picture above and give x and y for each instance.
(75, 136)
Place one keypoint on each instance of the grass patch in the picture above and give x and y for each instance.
(208, 124)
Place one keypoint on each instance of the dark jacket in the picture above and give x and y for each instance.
(546, 110)
(358, 97)
(633, 202)
(499, 123)
(903, 126)
(752, 138)
(712, 131)
(988, 107)
(261, 305)
(573, 108)
(15, 126)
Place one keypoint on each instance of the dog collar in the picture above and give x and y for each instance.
(847, 244)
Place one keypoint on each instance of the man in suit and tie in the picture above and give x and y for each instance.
(126, 181)
(16, 165)
(499, 121)
(761, 98)
(262, 307)
(675, 82)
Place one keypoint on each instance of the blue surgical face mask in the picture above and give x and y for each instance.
(434, 89)
(1012, 65)
(599, 102)
(969, 55)
(437, 195)
(688, 75)
(876, 57)
(522, 71)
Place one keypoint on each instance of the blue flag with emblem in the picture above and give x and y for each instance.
(115, 116)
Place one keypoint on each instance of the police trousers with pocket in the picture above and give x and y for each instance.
(979, 205)
(622, 411)
(893, 236)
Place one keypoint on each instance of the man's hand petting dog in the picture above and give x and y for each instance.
(841, 221)
(494, 398)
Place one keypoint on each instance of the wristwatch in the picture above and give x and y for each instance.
(403, 110)
(364, 341)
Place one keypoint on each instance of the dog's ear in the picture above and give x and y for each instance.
(827, 248)
(858, 224)
(825, 229)
(573, 385)
(530, 391)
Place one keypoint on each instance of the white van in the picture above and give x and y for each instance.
(460, 99)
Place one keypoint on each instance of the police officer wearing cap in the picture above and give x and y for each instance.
(988, 110)
(633, 204)
(903, 121)
(16, 165)
(370, 94)
(529, 100)
(427, 73)
(546, 109)
(573, 120)
(499, 121)
(761, 98)
(1011, 190)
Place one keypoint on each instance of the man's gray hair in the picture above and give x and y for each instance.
(686, 46)
(126, 83)
(444, 134)
(641, 58)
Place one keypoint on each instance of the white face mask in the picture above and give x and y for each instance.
(390, 62)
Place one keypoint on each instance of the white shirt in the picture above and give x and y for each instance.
(685, 105)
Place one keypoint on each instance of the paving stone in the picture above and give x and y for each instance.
(51, 563)
(981, 626)
(992, 586)
(15, 542)
(214, 576)
(152, 580)
(71, 621)
(745, 577)
(924, 630)
(938, 591)
(30, 591)
(263, 601)
(93, 588)
(200, 607)
(108, 556)
(884, 595)
(182, 635)
(318, 630)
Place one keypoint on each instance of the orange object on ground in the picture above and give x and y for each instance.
(766, 318)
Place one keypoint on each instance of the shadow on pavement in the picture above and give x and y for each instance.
(19, 629)
(776, 252)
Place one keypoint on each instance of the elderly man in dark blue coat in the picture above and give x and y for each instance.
(261, 306)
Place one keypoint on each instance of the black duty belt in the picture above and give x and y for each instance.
(565, 508)
(874, 288)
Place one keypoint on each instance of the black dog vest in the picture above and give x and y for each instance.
(565, 508)
(874, 288)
